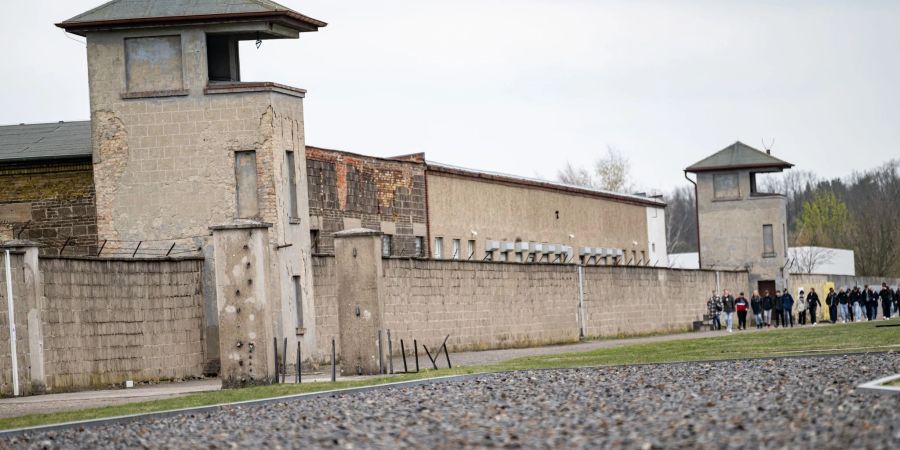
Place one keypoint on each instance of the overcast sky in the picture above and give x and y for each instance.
(523, 86)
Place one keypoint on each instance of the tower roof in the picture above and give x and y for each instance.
(738, 156)
(137, 13)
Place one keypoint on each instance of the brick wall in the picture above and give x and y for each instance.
(107, 321)
(621, 301)
(50, 203)
(369, 190)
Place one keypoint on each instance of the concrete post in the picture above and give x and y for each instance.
(32, 298)
(360, 306)
(244, 298)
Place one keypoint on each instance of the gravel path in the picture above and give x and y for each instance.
(785, 403)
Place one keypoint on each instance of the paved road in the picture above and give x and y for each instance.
(784, 403)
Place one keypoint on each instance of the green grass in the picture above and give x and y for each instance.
(808, 340)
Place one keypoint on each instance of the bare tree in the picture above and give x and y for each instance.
(808, 259)
(681, 221)
(576, 176)
(612, 172)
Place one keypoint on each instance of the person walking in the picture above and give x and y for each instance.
(856, 301)
(814, 304)
(767, 304)
(788, 301)
(832, 301)
(728, 308)
(779, 309)
(756, 306)
(897, 300)
(843, 299)
(801, 308)
(886, 300)
(740, 307)
(713, 308)
(871, 303)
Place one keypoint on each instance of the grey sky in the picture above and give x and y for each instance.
(522, 86)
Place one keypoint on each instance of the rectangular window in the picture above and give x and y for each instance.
(245, 179)
(291, 175)
(470, 250)
(386, 242)
(726, 186)
(768, 242)
(222, 58)
(784, 238)
(420, 246)
(455, 249)
(153, 64)
(314, 241)
(438, 250)
(298, 299)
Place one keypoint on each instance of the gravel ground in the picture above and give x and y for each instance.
(785, 403)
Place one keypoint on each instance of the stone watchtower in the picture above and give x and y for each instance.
(181, 143)
(740, 227)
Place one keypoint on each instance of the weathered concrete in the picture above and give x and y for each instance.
(360, 302)
(244, 295)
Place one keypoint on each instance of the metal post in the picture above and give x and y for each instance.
(390, 353)
(333, 367)
(299, 377)
(12, 326)
(135, 253)
(275, 343)
(416, 348)
(380, 355)
(284, 361)
(403, 352)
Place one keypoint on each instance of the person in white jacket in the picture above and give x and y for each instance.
(801, 308)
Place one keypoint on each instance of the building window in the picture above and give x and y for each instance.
(726, 186)
(291, 175)
(768, 242)
(298, 299)
(153, 64)
(438, 250)
(454, 249)
(470, 249)
(386, 241)
(420, 246)
(314, 241)
(245, 179)
(784, 238)
(222, 58)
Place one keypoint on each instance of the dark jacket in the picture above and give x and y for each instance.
(768, 303)
(779, 303)
(756, 304)
(831, 299)
(843, 298)
(728, 304)
(813, 300)
(885, 295)
(788, 301)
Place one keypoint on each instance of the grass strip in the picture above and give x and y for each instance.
(838, 339)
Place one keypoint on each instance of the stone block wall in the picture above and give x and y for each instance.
(622, 301)
(50, 203)
(21, 316)
(367, 192)
(326, 311)
(480, 305)
(107, 321)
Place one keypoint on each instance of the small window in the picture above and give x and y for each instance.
(454, 249)
(298, 299)
(314, 241)
(420, 246)
(768, 242)
(470, 250)
(245, 179)
(726, 186)
(784, 237)
(222, 58)
(386, 242)
(438, 250)
(153, 64)
(291, 176)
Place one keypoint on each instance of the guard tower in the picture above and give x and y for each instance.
(739, 226)
(181, 143)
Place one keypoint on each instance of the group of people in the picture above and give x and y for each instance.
(846, 305)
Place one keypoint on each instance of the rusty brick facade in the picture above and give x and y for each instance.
(348, 190)
(49, 203)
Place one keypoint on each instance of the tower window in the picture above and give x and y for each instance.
(246, 184)
(768, 242)
(222, 58)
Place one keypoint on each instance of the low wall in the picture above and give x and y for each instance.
(622, 301)
(480, 305)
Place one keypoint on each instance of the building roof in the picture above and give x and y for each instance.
(45, 141)
(738, 156)
(544, 184)
(118, 13)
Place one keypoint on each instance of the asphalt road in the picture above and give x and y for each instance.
(782, 403)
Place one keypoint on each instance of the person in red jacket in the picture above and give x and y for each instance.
(740, 305)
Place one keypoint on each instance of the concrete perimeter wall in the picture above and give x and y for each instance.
(484, 305)
(103, 322)
(22, 343)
